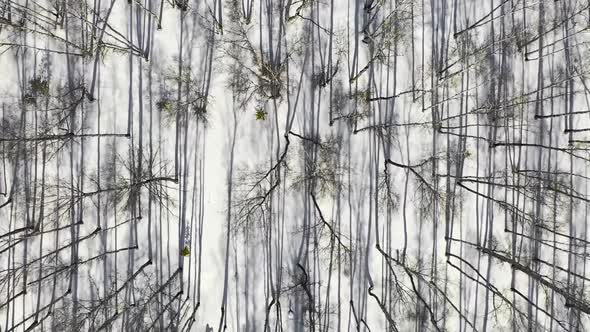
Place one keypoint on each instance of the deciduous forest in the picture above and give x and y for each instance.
(294, 165)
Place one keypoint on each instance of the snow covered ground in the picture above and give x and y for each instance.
(403, 165)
